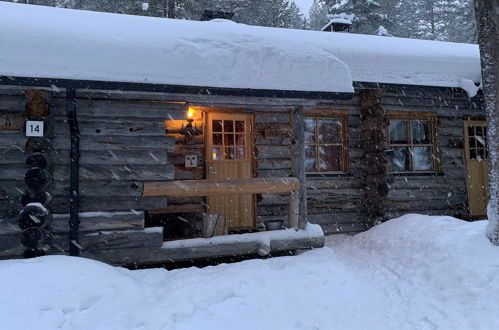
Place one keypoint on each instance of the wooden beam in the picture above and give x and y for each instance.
(298, 162)
(194, 188)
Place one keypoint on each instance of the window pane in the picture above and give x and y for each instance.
(481, 154)
(472, 153)
(329, 131)
(217, 139)
(330, 158)
(470, 131)
(230, 153)
(472, 142)
(422, 159)
(421, 132)
(310, 158)
(398, 131)
(400, 159)
(228, 126)
(217, 126)
(217, 153)
(240, 153)
(310, 130)
(240, 139)
(479, 131)
(228, 140)
(480, 140)
(239, 126)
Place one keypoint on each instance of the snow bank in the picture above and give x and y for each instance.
(414, 272)
(61, 43)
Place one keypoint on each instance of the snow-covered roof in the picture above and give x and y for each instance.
(47, 42)
(59, 43)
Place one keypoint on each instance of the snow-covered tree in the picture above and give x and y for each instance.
(318, 15)
(369, 15)
(274, 13)
(488, 32)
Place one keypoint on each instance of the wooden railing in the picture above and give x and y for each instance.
(195, 188)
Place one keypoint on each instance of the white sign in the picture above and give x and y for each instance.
(34, 128)
(191, 161)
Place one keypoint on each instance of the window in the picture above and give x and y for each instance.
(477, 142)
(229, 139)
(325, 145)
(412, 142)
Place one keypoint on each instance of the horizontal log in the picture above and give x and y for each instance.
(115, 239)
(109, 203)
(99, 221)
(216, 247)
(192, 188)
(114, 157)
(117, 172)
(181, 208)
(116, 142)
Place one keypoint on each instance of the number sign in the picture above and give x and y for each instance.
(34, 128)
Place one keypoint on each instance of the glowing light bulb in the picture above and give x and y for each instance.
(190, 113)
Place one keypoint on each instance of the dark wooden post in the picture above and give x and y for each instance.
(298, 161)
(487, 12)
(74, 221)
(374, 143)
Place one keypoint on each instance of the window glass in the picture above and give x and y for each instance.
(228, 126)
(400, 159)
(310, 158)
(422, 158)
(309, 130)
(398, 131)
(324, 149)
(421, 132)
(217, 126)
(330, 158)
(412, 144)
(239, 126)
(329, 131)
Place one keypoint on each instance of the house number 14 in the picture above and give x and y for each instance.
(34, 128)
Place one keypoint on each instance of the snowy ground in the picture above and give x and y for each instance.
(414, 272)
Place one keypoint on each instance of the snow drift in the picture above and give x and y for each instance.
(414, 272)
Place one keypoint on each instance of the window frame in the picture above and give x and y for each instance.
(342, 116)
(410, 116)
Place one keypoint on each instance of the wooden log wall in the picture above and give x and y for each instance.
(122, 144)
(444, 193)
(13, 114)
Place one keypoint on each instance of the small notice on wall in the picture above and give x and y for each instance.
(34, 128)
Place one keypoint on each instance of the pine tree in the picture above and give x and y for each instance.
(369, 15)
(318, 15)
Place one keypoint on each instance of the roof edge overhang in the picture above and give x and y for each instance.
(56, 83)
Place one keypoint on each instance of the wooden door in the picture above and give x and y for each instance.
(229, 155)
(476, 155)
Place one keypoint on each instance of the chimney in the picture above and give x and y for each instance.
(214, 14)
(339, 23)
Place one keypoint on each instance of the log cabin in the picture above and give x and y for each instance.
(138, 140)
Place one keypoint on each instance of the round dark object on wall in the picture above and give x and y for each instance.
(33, 216)
(35, 196)
(37, 144)
(31, 237)
(37, 160)
(33, 253)
(36, 178)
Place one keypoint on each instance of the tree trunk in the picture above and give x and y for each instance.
(487, 12)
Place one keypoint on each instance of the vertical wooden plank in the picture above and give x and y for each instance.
(298, 162)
